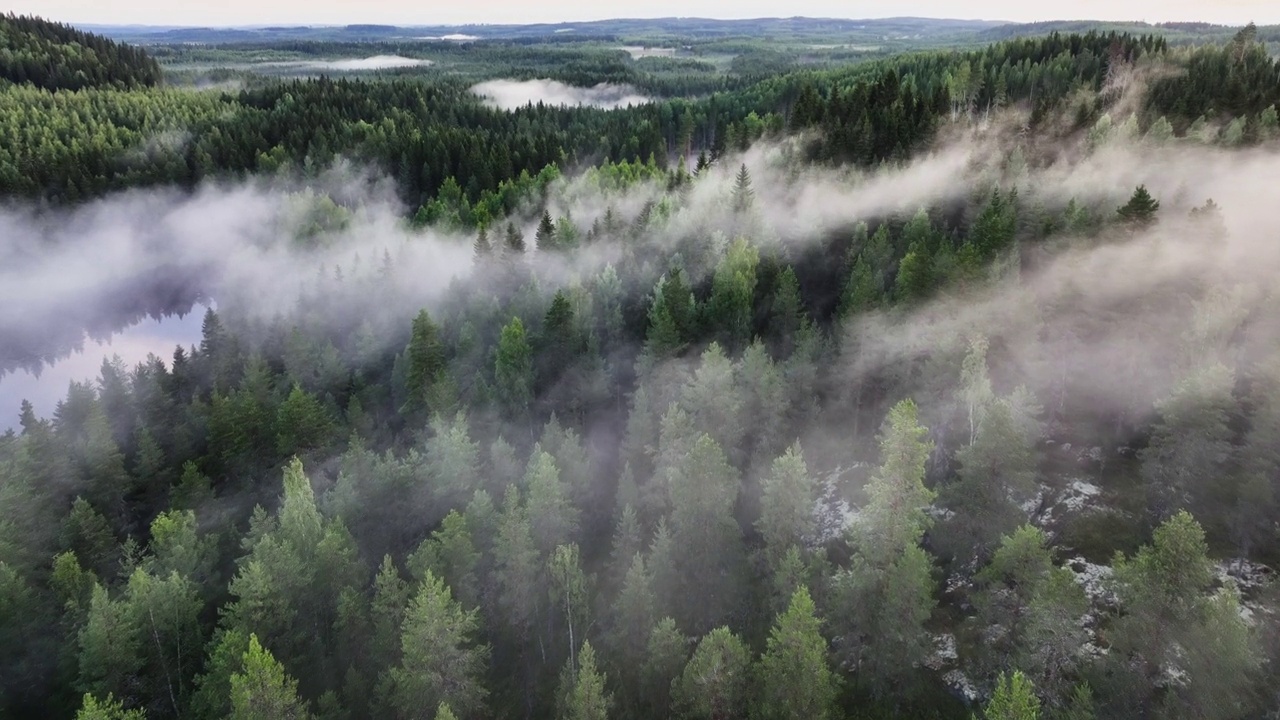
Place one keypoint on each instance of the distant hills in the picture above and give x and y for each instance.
(660, 28)
(667, 31)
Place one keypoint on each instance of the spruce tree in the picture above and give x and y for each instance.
(482, 249)
(545, 237)
(743, 194)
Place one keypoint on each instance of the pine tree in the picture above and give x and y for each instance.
(263, 690)
(997, 473)
(787, 506)
(425, 362)
(710, 564)
(895, 513)
(391, 595)
(731, 307)
(794, 677)
(671, 316)
(881, 602)
(1014, 699)
(664, 660)
(633, 611)
(552, 517)
(1160, 132)
(587, 699)
(110, 647)
(516, 565)
(1269, 124)
(440, 661)
(715, 682)
(1033, 609)
(915, 277)
(109, 709)
(1190, 442)
(303, 423)
(513, 368)
(1169, 625)
(860, 293)
(788, 314)
(1141, 209)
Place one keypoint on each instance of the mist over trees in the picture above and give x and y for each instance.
(945, 387)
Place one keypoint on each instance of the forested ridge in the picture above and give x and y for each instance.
(54, 56)
(943, 386)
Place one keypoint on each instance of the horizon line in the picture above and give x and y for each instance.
(267, 26)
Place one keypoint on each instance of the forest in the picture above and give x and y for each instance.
(941, 384)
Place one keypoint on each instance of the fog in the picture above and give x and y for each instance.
(1107, 315)
(369, 64)
(107, 264)
(638, 51)
(514, 94)
(453, 37)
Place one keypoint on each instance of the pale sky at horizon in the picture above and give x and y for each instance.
(437, 12)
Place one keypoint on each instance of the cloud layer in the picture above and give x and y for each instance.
(513, 94)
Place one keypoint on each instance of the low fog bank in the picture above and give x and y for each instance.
(106, 265)
(1105, 328)
(369, 64)
(515, 94)
(1109, 314)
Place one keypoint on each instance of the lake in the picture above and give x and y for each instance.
(133, 345)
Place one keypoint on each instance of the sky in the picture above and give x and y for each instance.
(437, 12)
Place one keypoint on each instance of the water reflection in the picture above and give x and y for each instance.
(132, 345)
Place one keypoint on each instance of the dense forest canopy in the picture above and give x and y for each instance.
(940, 385)
(59, 57)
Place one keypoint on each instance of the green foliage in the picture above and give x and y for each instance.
(659, 396)
(262, 689)
(895, 517)
(1191, 441)
(587, 699)
(882, 600)
(794, 677)
(109, 709)
(425, 360)
(110, 646)
(786, 515)
(1141, 209)
(1168, 623)
(1037, 608)
(733, 287)
(716, 681)
(513, 369)
(303, 423)
(1014, 699)
(743, 194)
(441, 664)
(55, 56)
